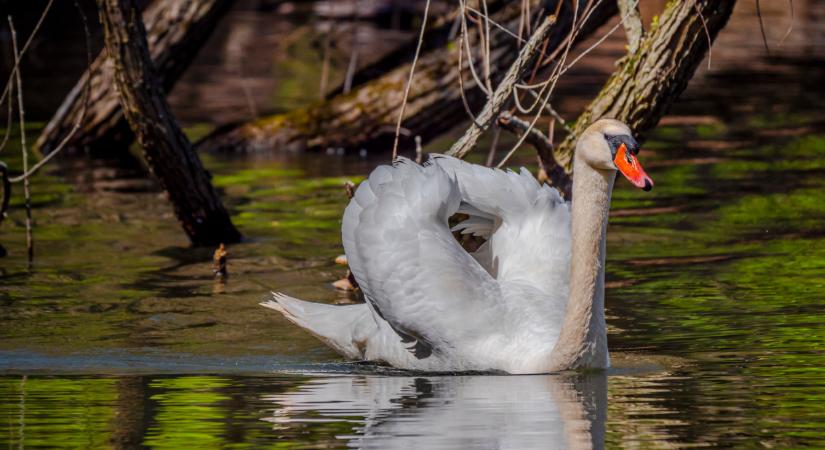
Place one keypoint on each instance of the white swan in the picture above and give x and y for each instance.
(529, 300)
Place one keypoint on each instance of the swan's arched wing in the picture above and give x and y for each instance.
(410, 268)
(527, 225)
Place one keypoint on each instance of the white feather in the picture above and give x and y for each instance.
(432, 305)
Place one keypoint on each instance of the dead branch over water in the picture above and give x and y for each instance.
(167, 150)
(640, 92)
(177, 30)
(367, 116)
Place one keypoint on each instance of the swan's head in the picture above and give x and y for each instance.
(608, 144)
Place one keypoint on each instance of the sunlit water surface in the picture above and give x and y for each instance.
(119, 336)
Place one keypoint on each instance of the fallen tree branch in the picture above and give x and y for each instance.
(367, 116)
(556, 176)
(640, 92)
(177, 30)
(169, 153)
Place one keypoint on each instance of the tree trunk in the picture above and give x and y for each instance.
(366, 117)
(640, 92)
(177, 30)
(168, 152)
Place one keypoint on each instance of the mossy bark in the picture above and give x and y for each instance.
(177, 29)
(167, 150)
(648, 81)
(366, 117)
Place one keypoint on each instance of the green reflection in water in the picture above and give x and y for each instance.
(56, 412)
(191, 412)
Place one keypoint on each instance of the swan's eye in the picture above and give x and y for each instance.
(613, 142)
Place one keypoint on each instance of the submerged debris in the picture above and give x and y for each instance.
(219, 263)
(347, 283)
(350, 187)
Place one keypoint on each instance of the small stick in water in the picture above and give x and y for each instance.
(350, 187)
(219, 263)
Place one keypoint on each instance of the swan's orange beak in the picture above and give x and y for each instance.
(629, 166)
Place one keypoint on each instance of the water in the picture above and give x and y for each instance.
(119, 337)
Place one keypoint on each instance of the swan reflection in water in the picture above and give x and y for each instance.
(452, 412)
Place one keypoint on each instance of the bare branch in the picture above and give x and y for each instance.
(409, 80)
(645, 85)
(503, 91)
(556, 176)
(762, 27)
(707, 32)
(632, 22)
(491, 155)
(87, 89)
(461, 89)
(790, 27)
(23, 148)
(25, 48)
(534, 137)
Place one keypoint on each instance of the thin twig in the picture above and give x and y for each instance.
(557, 71)
(87, 89)
(550, 110)
(486, 47)
(23, 148)
(519, 127)
(491, 155)
(9, 115)
(762, 27)
(461, 84)
(790, 27)
(527, 15)
(503, 91)
(554, 173)
(353, 59)
(497, 25)
(9, 83)
(247, 93)
(322, 89)
(471, 63)
(25, 48)
(409, 80)
(4, 203)
(590, 49)
(707, 32)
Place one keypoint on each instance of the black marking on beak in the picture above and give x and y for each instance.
(648, 186)
(616, 141)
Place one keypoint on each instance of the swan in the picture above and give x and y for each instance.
(528, 300)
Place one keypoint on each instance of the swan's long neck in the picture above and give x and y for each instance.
(583, 339)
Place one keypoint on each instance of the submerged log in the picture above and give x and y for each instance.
(648, 81)
(366, 117)
(169, 153)
(177, 29)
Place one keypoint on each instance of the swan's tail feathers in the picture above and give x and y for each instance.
(342, 327)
